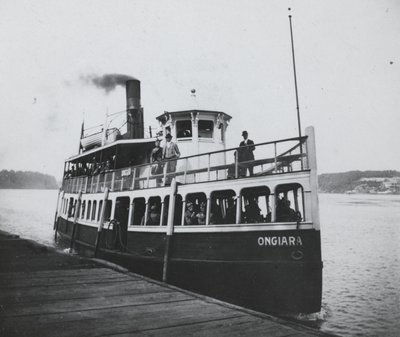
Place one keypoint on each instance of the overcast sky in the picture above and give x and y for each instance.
(235, 53)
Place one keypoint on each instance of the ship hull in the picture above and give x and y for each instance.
(271, 271)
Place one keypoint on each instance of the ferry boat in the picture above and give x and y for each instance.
(242, 230)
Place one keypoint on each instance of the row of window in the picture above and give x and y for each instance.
(253, 205)
(205, 129)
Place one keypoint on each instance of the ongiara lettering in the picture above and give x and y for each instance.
(280, 241)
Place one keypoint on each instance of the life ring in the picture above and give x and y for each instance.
(297, 255)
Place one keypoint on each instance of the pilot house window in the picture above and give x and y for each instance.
(183, 129)
(206, 129)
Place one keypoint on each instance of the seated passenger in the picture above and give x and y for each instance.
(153, 218)
(201, 215)
(231, 212)
(285, 213)
(253, 212)
(190, 215)
(215, 215)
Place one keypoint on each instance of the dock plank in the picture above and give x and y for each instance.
(92, 303)
(62, 281)
(38, 294)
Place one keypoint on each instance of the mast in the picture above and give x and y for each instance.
(295, 77)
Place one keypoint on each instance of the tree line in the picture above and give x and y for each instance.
(26, 179)
(347, 181)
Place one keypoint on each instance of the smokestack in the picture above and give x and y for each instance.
(135, 123)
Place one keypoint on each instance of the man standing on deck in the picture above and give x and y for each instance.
(245, 152)
(170, 152)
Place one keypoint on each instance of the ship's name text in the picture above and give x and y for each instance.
(279, 241)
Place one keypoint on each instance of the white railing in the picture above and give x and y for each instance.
(287, 155)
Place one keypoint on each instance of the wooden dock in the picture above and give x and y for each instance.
(47, 293)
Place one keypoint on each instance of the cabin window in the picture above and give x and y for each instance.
(138, 209)
(89, 208)
(121, 215)
(255, 205)
(71, 207)
(99, 211)
(195, 211)
(184, 129)
(289, 203)
(206, 129)
(164, 216)
(94, 210)
(223, 207)
(83, 209)
(154, 211)
(178, 210)
(107, 211)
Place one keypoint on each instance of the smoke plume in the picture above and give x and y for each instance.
(108, 82)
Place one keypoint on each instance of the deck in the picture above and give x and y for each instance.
(47, 293)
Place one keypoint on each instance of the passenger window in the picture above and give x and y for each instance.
(289, 203)
(107, 211)
(183, 129)
(206, 129)
(88, 210)
(255, 205)
(83, 210)
(196, 207)
(70, 207)
(223, 207)
(164, 216)
(94, 210)
(99, 212)
(138, 209)
(178, 210)
(153, 214)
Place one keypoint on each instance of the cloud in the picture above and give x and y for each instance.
(108, 82)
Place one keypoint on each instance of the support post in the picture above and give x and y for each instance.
(170, 230)
(101, 222)
(312, 162)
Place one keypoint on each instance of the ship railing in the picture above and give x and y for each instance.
(287, 155)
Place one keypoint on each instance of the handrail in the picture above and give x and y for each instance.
(98, 182)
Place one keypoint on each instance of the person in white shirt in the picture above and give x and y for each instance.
(170, 152)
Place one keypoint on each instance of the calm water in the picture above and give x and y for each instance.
(360, 247)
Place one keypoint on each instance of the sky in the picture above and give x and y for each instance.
(235, 53)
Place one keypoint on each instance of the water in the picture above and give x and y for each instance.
(360, 249)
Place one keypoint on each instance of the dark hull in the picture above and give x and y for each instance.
(230, 266)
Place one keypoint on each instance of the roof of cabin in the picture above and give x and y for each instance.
(162, 116)
(137, 141)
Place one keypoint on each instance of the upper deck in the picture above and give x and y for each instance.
(271, 158)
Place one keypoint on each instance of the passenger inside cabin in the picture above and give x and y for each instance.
(201, 215)
(190, 215)
(253, 212)
(231, 212)
(215, 214)
(285, 213)
(153, 218)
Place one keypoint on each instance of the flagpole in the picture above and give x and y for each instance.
(295, 77)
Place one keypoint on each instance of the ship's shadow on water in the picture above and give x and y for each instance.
(359, 236)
